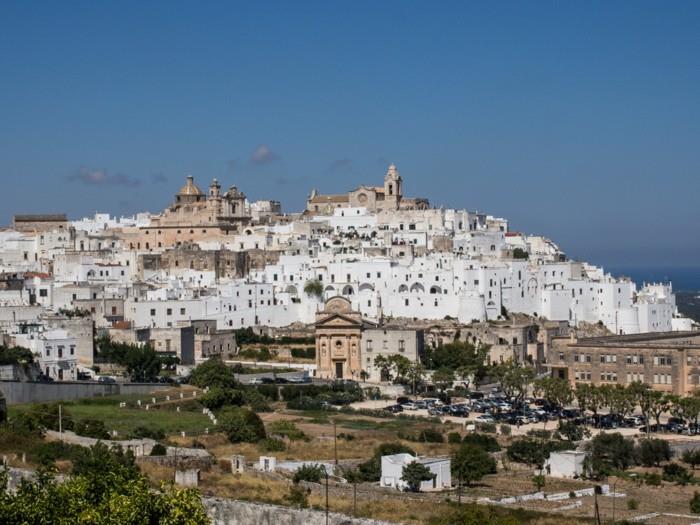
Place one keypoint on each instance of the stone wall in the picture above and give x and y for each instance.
(231, 512)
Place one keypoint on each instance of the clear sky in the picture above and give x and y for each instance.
(576, 120)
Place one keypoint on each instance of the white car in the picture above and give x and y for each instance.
(485, 419)
(409, 406)
(255, 381)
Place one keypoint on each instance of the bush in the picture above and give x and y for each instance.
(159, 450)
(287, 429)
(454, 438)
(471, 463)
(346, 437)
(676, 473)
(527, 451)
(241, 425)
(297, 497)
(93, 428)
(272, 445)
(430, 435)
(311, 473)
(304, 353)
(489, 428)
(256, 401)
(48, 452)
(505, 429)
(632, 504)
(652, 478)
(695, 503)
(271, 392)
(487, 443)
(305, 403)
(218, 397)
(572, 431)
(147, 432)
(651, 452)
(692, 457)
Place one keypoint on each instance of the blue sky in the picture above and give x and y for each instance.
(577, 120)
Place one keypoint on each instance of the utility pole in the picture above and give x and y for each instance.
(326, 471)
(60, 422)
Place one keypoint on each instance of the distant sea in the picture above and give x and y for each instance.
(684, 279)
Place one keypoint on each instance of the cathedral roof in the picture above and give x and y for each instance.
(190, 188)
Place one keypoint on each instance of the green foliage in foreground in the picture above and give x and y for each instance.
(105, 488)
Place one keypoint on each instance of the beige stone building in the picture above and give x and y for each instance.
(374, 198)
(666, 361)
(192, 217)
(347, 345)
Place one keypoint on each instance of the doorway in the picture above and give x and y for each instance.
(339, 370)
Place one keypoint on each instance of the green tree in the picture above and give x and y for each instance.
(554, 390)
(314, 288)
(213, 373)
(143, 364)
(609, 452)
(515, 379)
(470, 463)
(241, 425)
(414, 474)
(692, 457)
(218, 397)
(443, 377)
(308, 472)
(15, 355)
(651, 452)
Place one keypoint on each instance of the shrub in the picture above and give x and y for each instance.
(309, 472)
(241, 425)
(505, 429)
(489, 428)
(692, 457)
(147, 432)
(676, 473)
(695, 503)
(297, 497)
(651, 452)
(218, 397)
(305, 403)
(652, 478)
(158, 450)
(572, 431)
(632, 504)
(487, 443)
(256, 401)
(454, 438)
(93, 428)
(346, 437)
(304, 353)
(287, 429)
(527, 451)
(471, 463)
(414, 474)
(271, 392)
(430, 435)
(272, 445)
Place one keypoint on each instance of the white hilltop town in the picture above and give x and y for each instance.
(369, 272)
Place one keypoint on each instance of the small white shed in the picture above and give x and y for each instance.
(392, 470)
(565, 464)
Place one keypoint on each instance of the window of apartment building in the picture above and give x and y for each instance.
(476, 282)
(379, 275)
(72, 349)
(153, 312)
(182, 311)
(406, 302)
(60, 351)
(274, 277)
(561, 356)
(369, 345)
(250, 304)
(48, 351)
(169, 311)
(402, 345)
(43, 292)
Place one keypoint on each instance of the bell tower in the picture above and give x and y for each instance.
(393, 187)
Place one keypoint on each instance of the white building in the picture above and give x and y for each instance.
(392, 472)
(565, 464)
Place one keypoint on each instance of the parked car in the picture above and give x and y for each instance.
(409, 405)
(394, 409)
(255, 381)
(485, 419)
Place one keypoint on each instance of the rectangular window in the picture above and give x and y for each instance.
(182, 310)
(369, 345)
(169, 311)
(402, 345)
(153, 312)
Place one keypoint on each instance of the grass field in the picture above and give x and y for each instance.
(125, 420)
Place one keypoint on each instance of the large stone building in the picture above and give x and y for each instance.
(373, 198)
(669, 362)
(347, 345)
(193, 216)
(37, 223)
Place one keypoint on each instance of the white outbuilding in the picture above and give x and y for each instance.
(565, 464)
(392, 471)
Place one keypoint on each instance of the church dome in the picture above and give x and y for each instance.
(190, 188)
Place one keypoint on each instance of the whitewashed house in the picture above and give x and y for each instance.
(392, 471)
